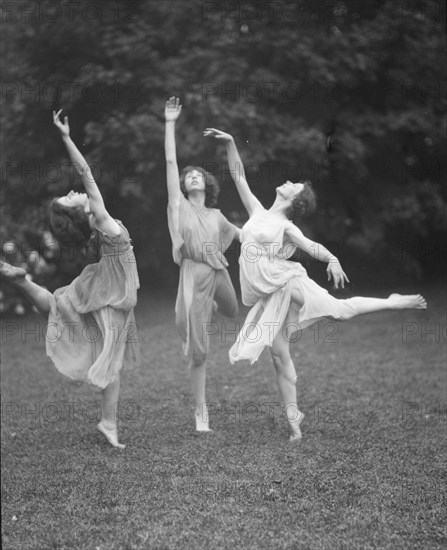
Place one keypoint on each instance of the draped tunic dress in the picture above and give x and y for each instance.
(200, 236)
(267, 279)
(91, 326)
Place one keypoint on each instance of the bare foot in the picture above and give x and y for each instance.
(296, 431)
(201, 425)
(111, 434)
(409, 301)
(11, 273)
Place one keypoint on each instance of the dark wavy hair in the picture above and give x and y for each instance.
(212, 188)
(303, 204)
(70, 224)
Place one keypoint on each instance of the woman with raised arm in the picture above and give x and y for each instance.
(200, 236)
(91, 323)
(283, 297)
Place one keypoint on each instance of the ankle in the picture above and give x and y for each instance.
(108, 424)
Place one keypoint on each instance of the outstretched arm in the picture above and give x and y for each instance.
(102, 219)
(236, 168)
(172, 112)
(319, 252)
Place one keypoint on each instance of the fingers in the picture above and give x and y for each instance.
(218, 134)
(173, 103)
(338, 275)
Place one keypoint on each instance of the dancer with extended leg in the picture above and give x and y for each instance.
(91, 323)
(200, 235)
(283, 297)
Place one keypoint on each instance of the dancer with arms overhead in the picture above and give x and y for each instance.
(91, 324)
(200, 235)
(283, 298)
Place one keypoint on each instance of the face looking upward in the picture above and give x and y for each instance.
(289, 190)
(73, 199)
(194, 181)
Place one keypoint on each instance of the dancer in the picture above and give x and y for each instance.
(283, 297)
(200, 235)
(91, 323)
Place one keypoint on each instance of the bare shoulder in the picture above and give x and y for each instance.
(108, 226)
(292, 230)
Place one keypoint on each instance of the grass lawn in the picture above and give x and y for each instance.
(369, 473)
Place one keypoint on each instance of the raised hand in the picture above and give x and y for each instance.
(218, 134)
(335, 271)
(64, 128)
(172, 109)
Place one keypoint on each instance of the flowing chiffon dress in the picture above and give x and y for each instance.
(91, 326)
(200, 237)
(267, 279)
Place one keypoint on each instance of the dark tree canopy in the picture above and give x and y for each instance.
(351, 95)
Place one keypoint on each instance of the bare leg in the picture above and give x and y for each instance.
(286, 378)
(198, 385)
(360, 305)
(226, 301)
(38, 296)
(225, 296)
(109, 413)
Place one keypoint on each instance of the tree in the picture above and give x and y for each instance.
(350, 95)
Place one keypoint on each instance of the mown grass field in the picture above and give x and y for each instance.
(369, 473)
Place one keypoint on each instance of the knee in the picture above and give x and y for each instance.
(297, 298)
(349, 310)
(197, 361)
(230, 310)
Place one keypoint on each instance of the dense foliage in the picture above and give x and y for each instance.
(350, 95)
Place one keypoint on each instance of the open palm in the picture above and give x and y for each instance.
(172, 109)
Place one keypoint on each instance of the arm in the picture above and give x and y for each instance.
(172, 112)
(236, 168)
(319, 252)
(102, 219)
